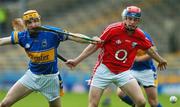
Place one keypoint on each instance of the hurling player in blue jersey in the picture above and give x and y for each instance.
(145, 73)
(41, 48)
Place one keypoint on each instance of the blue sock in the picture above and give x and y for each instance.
(159, 105)
(106, 102)
(128, 100)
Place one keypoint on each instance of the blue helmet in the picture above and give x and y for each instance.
(131, 11)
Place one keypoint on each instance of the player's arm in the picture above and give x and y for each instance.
(162, 62)
(80, 38)
(5, 41)
(90, 49)
(18, 25)
(140, 58)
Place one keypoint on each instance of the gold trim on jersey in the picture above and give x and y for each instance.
(42, 57)
(16, 37)
(140, 52)
(156, 82)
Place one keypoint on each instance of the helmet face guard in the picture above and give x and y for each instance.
(29, 17)
(131, 11)
(135, 15)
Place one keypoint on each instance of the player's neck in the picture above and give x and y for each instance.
(130, 32)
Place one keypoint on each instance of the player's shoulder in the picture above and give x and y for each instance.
(142, 33)
(115, 26)
(52, 27)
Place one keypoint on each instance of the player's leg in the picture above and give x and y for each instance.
(94, 96)
(124, 97)
(152, 96)
(17, 92)
(101, 79)
(151, 89)
(129, 85)
(133, 90)
(107, 93)
(55, 103)
(148, 79)
(49, 87)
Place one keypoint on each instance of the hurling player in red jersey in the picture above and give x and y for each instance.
(121, 41)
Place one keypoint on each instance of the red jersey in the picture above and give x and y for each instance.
(119, 48)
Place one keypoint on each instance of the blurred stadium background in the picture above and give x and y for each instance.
(160, 19)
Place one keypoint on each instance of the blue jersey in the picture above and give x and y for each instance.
(41, 49)
(148, 64)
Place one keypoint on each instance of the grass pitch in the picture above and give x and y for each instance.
(79, 100)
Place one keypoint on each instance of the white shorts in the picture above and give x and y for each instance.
(48, 85)
(146, 78)
(103, 77)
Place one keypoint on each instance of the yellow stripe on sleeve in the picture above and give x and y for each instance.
(16, 37)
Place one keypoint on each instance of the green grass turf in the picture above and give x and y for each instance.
(78, 100)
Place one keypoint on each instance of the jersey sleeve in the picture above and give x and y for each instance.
(149, 38)
(145, 43)
(16, 37)
(105, 36)
(60, 36)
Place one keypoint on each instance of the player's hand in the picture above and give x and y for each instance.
(97, 40)
(71, 63)
(162, 65)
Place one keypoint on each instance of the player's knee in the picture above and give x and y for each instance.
(3, 104)
(141, 102)
(153, 102)
(92, 104)
(120, 94)
(6, 102)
